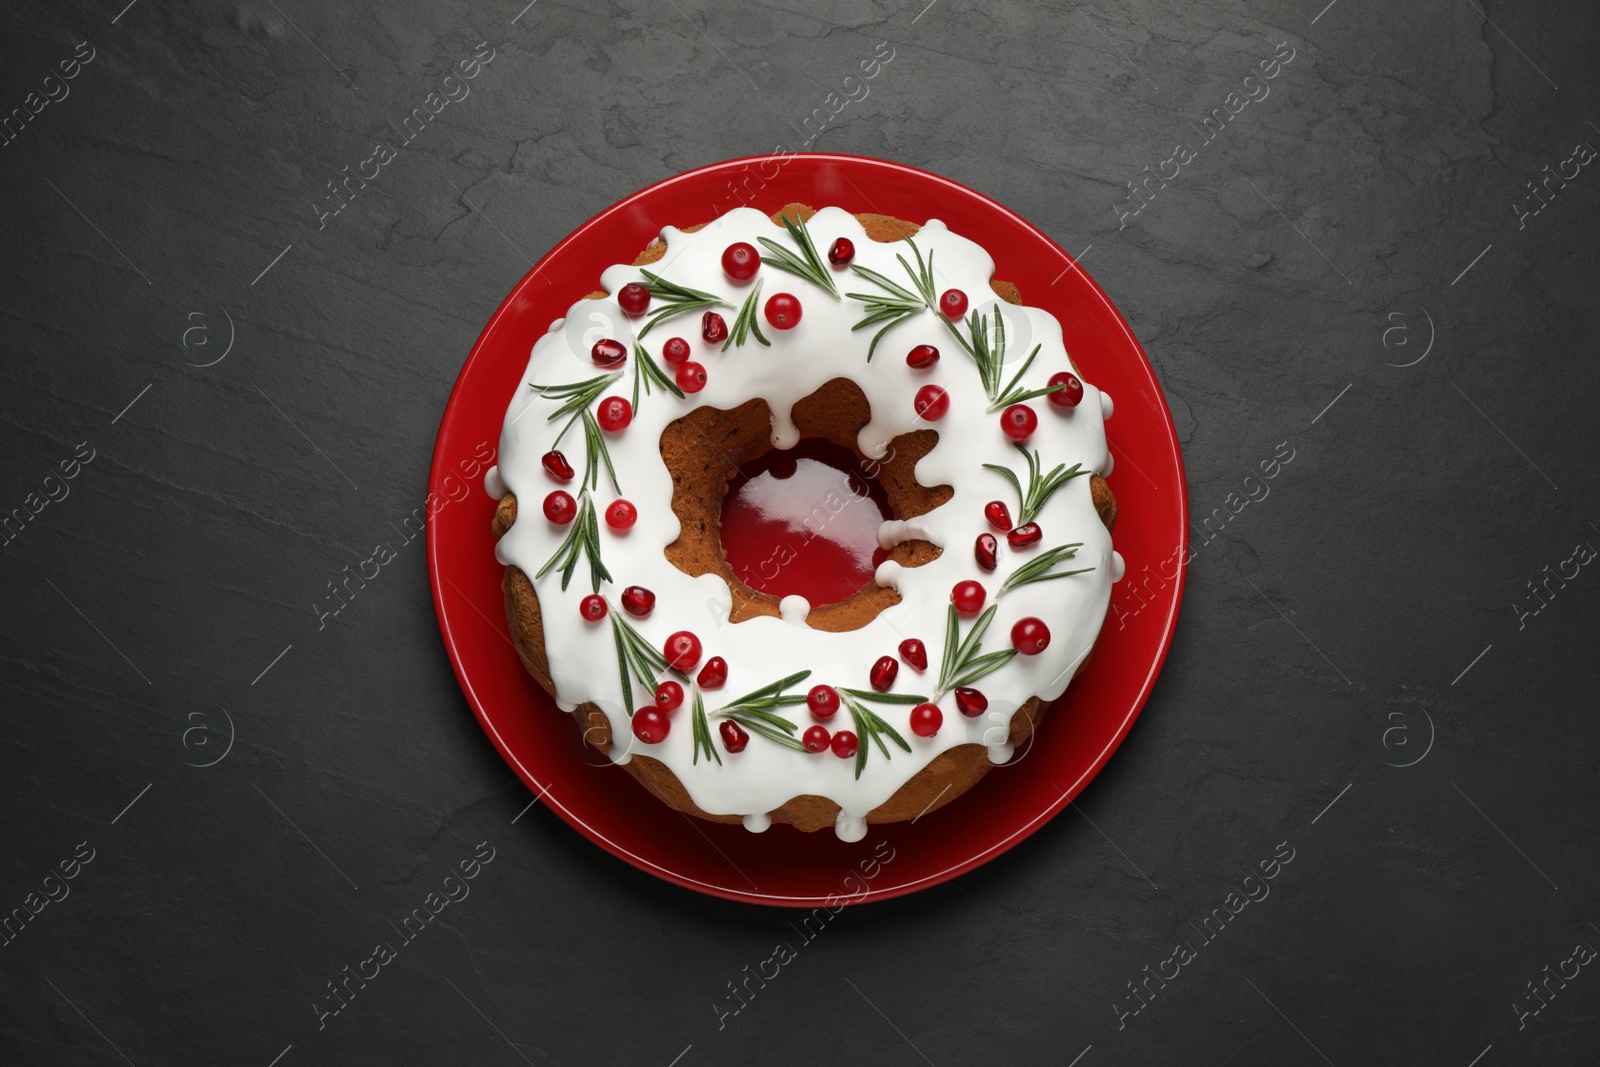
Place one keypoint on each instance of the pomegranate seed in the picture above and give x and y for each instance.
(987, 551)
(1069, 397)
(815, 738)
(1030, 636)
(634, 299)
(714, 674)
(559, 507)
(1025, 536)
(914, 653)
(968, 597)
(998, 514)
(922, 357)
(614, 414)
(1018, 422)
(651, 725)
(884, 672)
(971, 702)
(621, 515)
(713, 328)
(691, 377)
(953, 303)
(607, 352)
(733, 736)
(783, 311)
(844, 744)
(682, 650)
(638, 602)
(926, 720)
(932, 402)
(669, 695)
(740, 262)
(675, 351)
(823, 701)
(592, 607)
(841, 252)
(557, 467)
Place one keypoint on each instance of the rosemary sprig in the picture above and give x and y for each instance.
(595, 449)
(637, 659)
(1038, 568)
(807, 264)
(754, 711)
(583, 539)
(575, 399)
(897, 303)
(1013, 393)
(869, 727)
(1040, 487)
(962, 664)
(648, 370)
(675, 299)
(702, 730)
(748, 322)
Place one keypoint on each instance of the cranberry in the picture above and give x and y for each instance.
(987, 551)
(922, 357)
(971, 702)
(614, 414)
(559, 507)
(841, 252)
(634, 299)
(691, 377)
(926, 720)
(713, 328)
(638, 602)
(621, 515)
(669, 695)
(733, 736)
(783, 311)
(675, 351)
(823, 701)
(592, 607)
(914, 653)
(1018, 422)
(884, 672)
(968, 597)
(1025, 536)
(1030, 636)
(607, 352)
(557, 467)
(815, 738)
(1069, 397)
(998, 514)
(651, 725)
(844, 744)
(740, 261)
(714, 675)
(953, 303)
(682, 650)
(932, 402)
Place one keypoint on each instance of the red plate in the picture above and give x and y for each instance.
(783, 866)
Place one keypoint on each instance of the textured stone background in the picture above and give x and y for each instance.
(1359, 617)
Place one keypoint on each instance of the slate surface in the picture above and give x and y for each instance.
(1363, 637)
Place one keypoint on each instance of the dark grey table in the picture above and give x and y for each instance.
(219, 392)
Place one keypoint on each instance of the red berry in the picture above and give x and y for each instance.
(733, 736)
(634, 299)
(638, 602)
(841, 252)
(651, 725)
(691, 377)
(557, 467)
(914, 653)
(968, 597)
(1025, 536)
(953, 303)
(932, 402)
(607, 352)
(621, 515)
(740, 261)
(713, 328)
(815, 738)
(1071, 395)
(971, 702)
(592, 607)
(884, 672)
(926, 720)
(783, 311)
(1018, 422)
(614, 414)
(714, 674)
(1030, 636)
(823, 701)
(998, 514)
(682, 650)
(669, 695)
(675, 351)
(559, 507)
(987, 551)
(922, 357)
(844, 744)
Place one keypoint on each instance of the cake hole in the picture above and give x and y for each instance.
(804, 522)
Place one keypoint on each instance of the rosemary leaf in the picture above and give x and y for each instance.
(702, 731)
(1038, 568)
(886, 698)
(807, 265)
(674, 299)
(747, 323)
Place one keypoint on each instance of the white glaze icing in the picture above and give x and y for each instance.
(582, 656)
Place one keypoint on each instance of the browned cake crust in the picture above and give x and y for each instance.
(702, 451)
